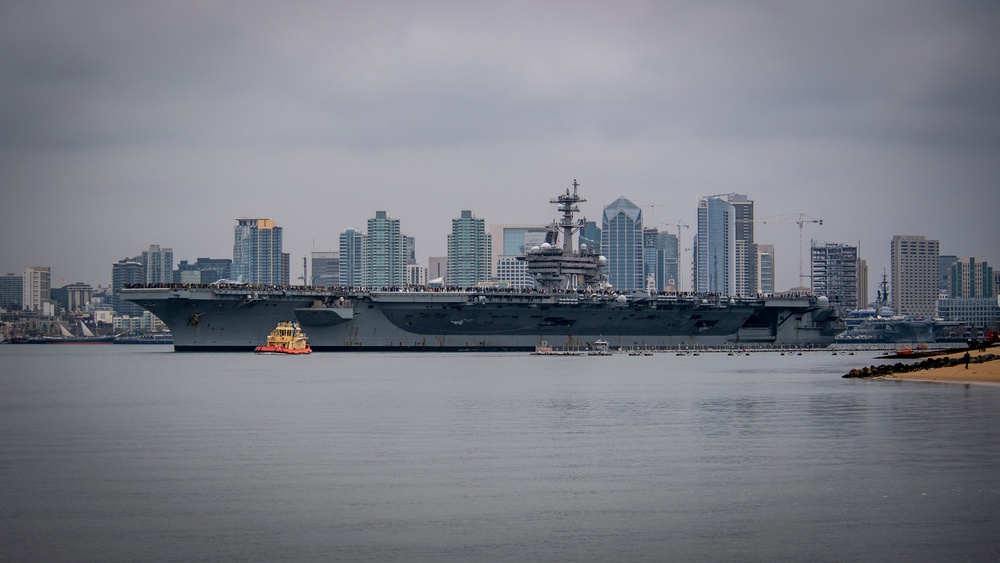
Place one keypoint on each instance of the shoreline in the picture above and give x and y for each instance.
(984, 372)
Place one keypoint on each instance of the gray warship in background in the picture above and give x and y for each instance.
(571, 307)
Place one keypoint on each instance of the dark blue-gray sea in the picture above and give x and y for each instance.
(138, 453)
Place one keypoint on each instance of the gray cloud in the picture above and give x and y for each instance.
(143, 122)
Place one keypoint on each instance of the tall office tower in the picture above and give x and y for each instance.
(470, 249)
(590, 235)
(126, 271)
(862, 283)
(325, 269)
(715, 247)
(257, 254)
(11, 292)
(916, 272)
(37, 288)
(660, 259)
(352, 257)
(971, 278)
(511, 241)
(834, 268)
(649, 266)
(437, 269)
(668, 261)
(159, 264)
(746, 254)
(945, 263)
(385, 253)
(621, 243)
(765, 268)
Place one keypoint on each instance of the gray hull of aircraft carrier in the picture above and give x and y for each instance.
(206, 318)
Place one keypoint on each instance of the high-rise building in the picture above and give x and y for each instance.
(126, 271)
(385, 253)
(11, 292)
(660, 253)
(765, 268)
(834, 268)
(970, 278)
(746, 254)
(714, 268)
(511, 241)
(945, 262)
(325, 269)
(257, 253)
(916, 272)
(37, 288)
(159, 264)
(437, 270)
(622, 245)
(470, 249)
(352, 257)
(78, 296)
(590, 235)
(862, 283)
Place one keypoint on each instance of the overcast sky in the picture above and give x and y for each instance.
(125, 124)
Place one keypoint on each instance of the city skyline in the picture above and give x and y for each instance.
(119, 132)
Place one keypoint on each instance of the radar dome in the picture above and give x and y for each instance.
(534, 249)
(885, 312)
(823, 300)
(621, 299)
(546, 246)
(583, 247)
(602, 261)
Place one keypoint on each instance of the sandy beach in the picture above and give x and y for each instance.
(984, 373)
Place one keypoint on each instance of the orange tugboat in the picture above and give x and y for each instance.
(287, 338)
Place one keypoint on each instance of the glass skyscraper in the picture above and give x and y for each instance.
(715, 247)
(257, 254)
(352, 257)
(622, 245)
(470, 249)
(385, 253)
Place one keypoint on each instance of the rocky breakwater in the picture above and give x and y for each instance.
(928, 364)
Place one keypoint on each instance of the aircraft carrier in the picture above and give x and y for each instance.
(571, 307)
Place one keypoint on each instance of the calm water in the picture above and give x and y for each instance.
(139, 453)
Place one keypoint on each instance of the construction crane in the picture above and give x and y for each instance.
(680, 251)
(799, 219)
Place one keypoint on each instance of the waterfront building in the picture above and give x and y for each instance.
(36, 288)
(325, 269)
(622, 245)
(203, 270)
(159, 264)
(714, 263)
(78, 297)
(257, 252)
(352, 257)
(386, 253)
(470, 249)
(126, 271)
(916, 272)
(970, 278)
(977, 312)
(12, 292)
(834, 272)
(513, 272)
(765, 268)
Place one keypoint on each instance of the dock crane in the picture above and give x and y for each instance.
(799, 219)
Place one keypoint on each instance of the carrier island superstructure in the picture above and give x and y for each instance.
(571, 307)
